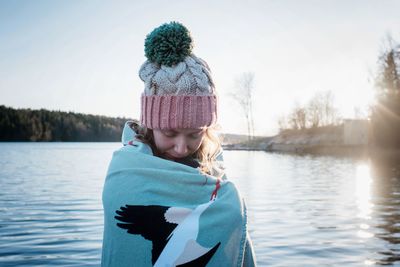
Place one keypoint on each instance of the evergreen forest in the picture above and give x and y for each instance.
(57, 126)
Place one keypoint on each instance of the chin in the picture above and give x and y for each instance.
(174, 157)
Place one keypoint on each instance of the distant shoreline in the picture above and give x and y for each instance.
(338, 151)
(328, 140)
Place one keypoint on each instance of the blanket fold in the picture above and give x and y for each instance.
(162, 213)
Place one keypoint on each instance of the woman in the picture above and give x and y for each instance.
(166, 199)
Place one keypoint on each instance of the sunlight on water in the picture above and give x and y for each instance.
(364, 234)
(363, 191)
(363, 195)
(369, 262)
(303, 210)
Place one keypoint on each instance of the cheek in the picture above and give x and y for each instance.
(162, 143)
(195, 144)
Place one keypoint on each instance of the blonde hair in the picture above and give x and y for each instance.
(207, 154)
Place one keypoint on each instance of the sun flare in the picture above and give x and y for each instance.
(363, 191)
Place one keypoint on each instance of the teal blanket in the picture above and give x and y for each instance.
(162, 213)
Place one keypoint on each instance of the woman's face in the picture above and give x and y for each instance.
(178, 143)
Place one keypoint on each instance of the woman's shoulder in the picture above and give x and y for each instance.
(131, 142)
(128, 134)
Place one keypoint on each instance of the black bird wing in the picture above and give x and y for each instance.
(149, 222)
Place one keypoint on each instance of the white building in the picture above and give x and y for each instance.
(356, 132)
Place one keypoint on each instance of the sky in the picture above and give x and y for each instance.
(84, 56)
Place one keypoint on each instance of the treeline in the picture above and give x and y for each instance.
(45, 125)
(385, 114)
(320, 111)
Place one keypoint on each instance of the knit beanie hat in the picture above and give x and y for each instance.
(179, 91)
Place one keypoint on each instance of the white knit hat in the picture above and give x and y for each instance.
(179, 91)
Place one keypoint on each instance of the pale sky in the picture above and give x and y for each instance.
(84, 55)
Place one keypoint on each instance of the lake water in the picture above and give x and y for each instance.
(303, 210)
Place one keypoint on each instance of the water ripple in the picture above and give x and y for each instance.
(303, 210)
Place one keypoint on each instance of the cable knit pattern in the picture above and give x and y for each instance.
(180, 96)
(190, 77)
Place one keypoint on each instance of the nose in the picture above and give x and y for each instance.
(181, 148)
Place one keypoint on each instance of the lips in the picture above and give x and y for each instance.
(172, 156)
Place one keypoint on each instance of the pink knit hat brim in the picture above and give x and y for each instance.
(178, 111)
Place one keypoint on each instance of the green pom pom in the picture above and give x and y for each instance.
(168, 44)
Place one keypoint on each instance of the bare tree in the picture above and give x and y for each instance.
(298, 117)
(388, 77)
(385, 114)
(329, 112)
(320, 111)
(314, 112)
(243, 95)
(282, 123)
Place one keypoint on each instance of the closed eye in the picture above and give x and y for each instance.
(195, 136)
(169, 133)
